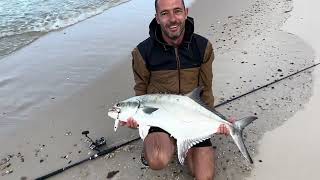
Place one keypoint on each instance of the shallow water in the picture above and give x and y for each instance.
(24, 21)
(63, 62)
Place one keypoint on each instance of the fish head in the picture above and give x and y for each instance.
(123, 110)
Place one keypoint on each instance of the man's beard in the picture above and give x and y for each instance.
(174, 36)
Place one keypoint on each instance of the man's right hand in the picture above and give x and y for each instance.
(223, 129)
(131, 123)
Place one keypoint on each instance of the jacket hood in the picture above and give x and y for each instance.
(155, 31)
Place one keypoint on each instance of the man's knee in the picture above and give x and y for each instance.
(158, 149)
(205, 175)
(203, 163)
(157, 160)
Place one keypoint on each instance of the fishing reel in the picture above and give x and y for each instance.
(94, 145)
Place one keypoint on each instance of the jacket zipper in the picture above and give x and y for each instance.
(178, 67)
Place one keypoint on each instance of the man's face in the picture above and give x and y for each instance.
(171, 15)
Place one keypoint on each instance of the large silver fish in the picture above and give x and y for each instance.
(186, 118)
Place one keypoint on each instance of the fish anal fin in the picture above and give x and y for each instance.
(183, 145)
(182, 150)
(143, 131)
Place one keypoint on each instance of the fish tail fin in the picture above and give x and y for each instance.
(236, 134)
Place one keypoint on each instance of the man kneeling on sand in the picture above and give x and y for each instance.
(174, 60)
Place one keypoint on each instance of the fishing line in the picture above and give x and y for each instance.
(254, 90)
(111, 149)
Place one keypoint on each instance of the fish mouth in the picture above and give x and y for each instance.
(115, 109)
(114, 112)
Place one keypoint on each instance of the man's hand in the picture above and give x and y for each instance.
(223, 129)
(131, 123)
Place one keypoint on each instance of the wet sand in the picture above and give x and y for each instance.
(88, 69)
(292, 150)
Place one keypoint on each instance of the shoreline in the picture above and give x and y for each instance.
(70, 66)
(14, 41)
(84, 107)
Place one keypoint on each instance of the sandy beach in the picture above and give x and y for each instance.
(290, 151)
(64, 82)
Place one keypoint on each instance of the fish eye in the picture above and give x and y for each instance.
(118, 104)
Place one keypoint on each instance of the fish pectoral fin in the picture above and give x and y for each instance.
(143, 131)
(149, 110)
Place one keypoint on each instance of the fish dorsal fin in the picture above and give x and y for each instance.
(196, 96)
(149, 110)
(217, 113)
(183, 145)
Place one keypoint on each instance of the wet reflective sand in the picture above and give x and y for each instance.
(291, 151)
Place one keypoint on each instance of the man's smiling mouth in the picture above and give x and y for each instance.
(173, 28)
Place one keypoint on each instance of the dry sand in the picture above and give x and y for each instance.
(87, 69)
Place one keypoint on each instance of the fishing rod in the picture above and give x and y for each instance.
(113, 148)
(100, 153)
(254, 90)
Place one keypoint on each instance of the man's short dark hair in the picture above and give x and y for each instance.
(156, 4)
